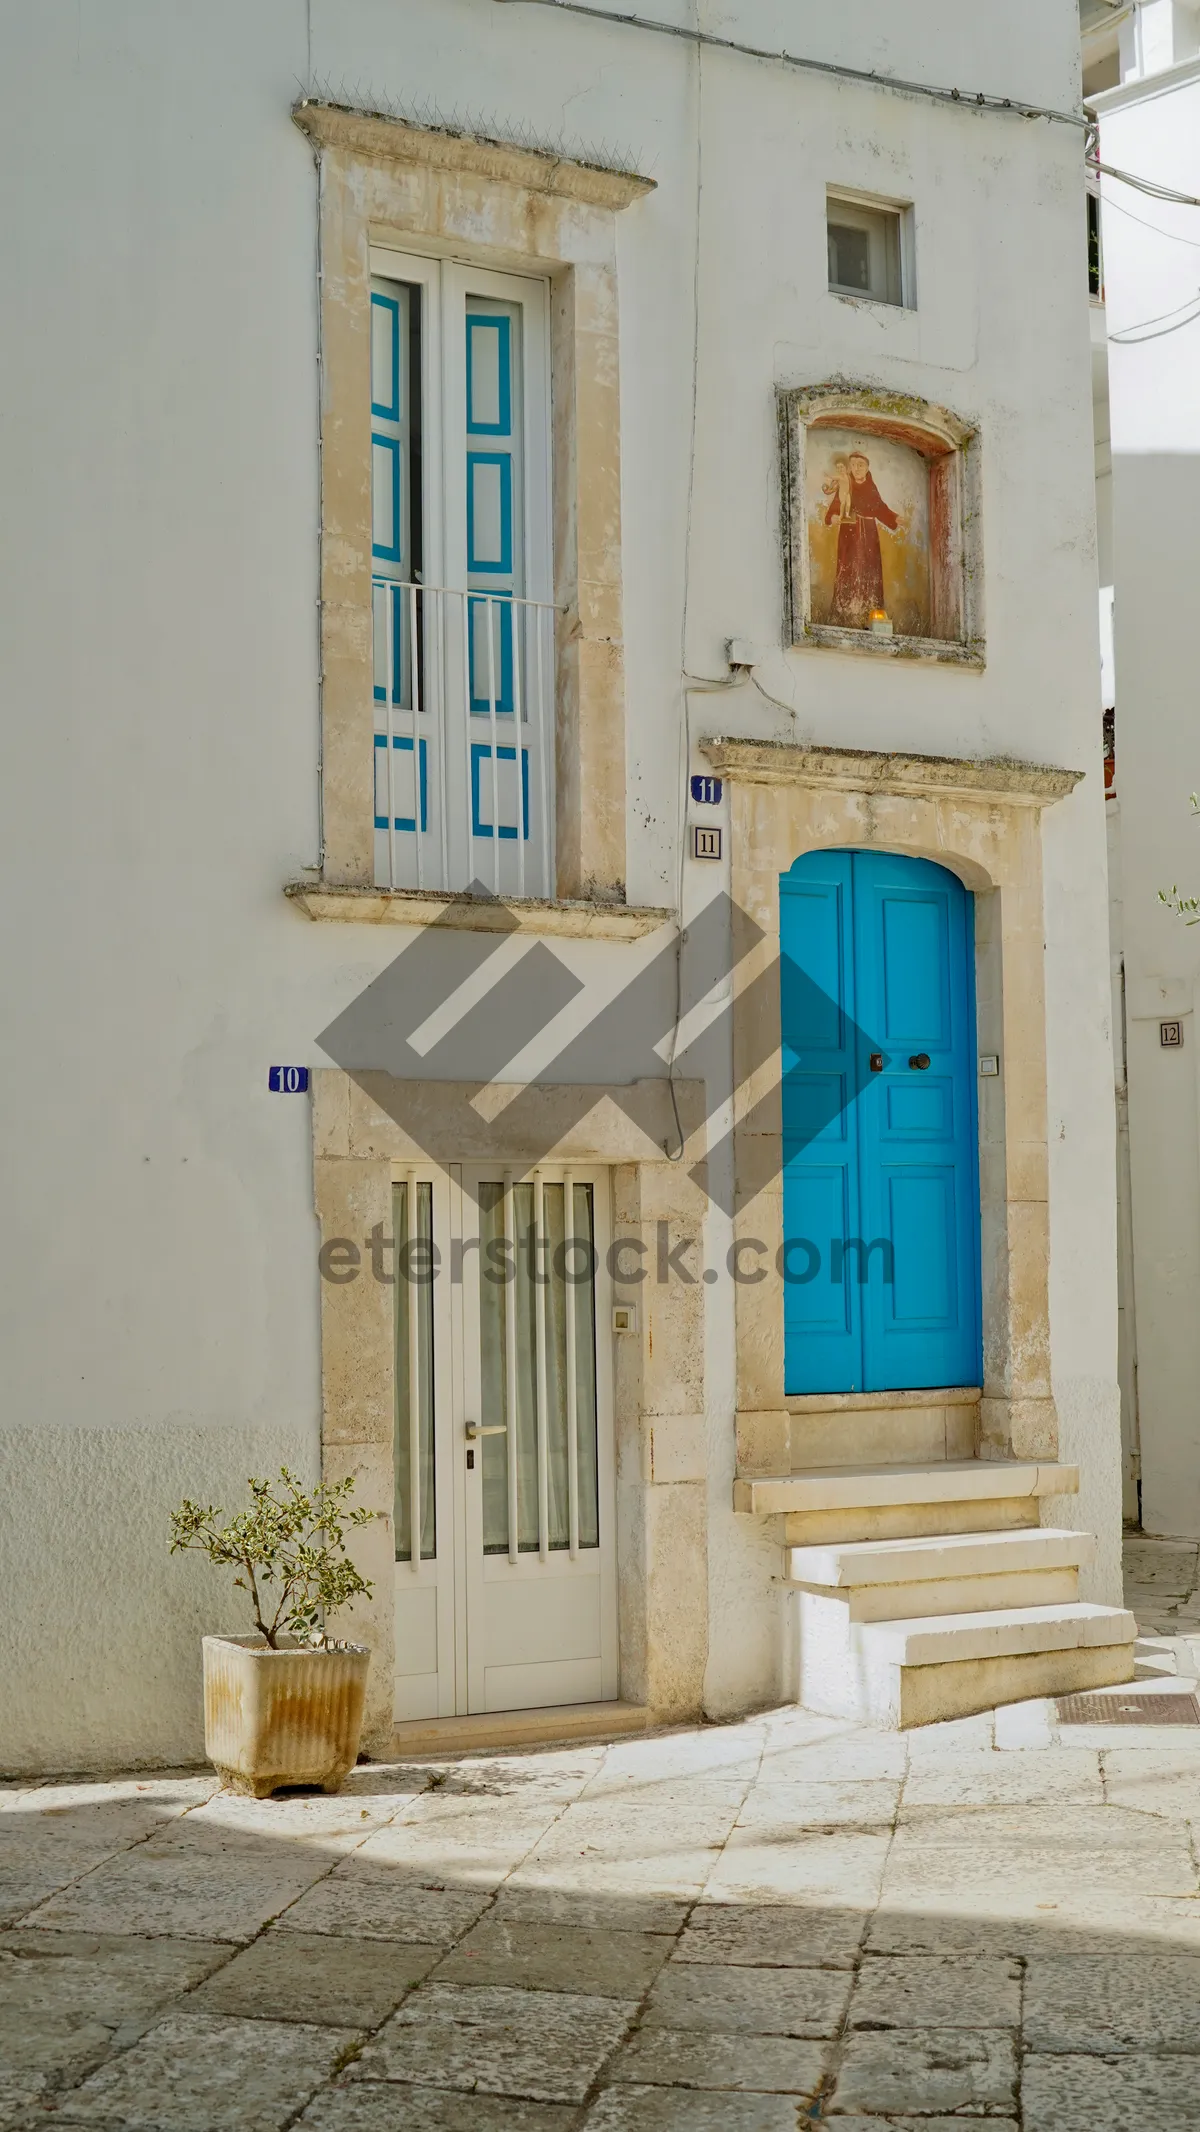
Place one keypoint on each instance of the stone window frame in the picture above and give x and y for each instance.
(981, 820)
(951, 448)
(383, 181)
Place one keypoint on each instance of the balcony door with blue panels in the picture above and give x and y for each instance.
(880, 1134)
(463, 619)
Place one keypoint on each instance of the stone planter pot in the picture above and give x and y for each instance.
(291, 1716)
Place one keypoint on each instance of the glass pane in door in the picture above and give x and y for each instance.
(579, 1264)
(538, 1337)
(413, 1294)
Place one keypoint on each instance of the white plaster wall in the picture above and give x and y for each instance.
(158, 666)
(1154, 129)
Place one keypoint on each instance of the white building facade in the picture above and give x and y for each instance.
(551, 511)
(1144, 69)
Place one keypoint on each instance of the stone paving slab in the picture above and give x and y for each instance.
(189, 1894)
(372, 2107)
(709, 1751)
(996, 1779)
(772, 1862)
(363, 1901)
(921, 2124)
(545, 2045)
(686, 2058)
(904, 1991)
(193, 2073)
(469, 1842)
(588, 1910)
(65, 1998)
(771, 1936)
(651, 2109)
(310, 1976)
(1113, 2002)
(927, 2070)
(761, 2002)
(1161, 2094)
(1162, 1781)
(711, 1792)
(617, 1965)
(1104, 1872)
(835, 1758)
(865, 1803)
(43, 1851)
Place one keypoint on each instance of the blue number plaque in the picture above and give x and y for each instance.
(288, 1080)
(707, 791)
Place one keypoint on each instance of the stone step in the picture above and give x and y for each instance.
(1000, 1632)
(877, 1502)
(956, 1573)
(926, 1668)
(847, 1564)
(957, 1480)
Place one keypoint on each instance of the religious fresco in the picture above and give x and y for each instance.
(867, 506)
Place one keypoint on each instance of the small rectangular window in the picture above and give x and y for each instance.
(866, 250)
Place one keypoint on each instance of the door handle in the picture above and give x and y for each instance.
(474, 1430)
(919, 1061)
(876, 1062)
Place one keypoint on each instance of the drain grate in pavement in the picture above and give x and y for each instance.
(1127, 1710)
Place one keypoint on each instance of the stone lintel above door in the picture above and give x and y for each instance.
(980, 818)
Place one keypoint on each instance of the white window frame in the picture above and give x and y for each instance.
(525, 865)
(446, 282)
(867, 211)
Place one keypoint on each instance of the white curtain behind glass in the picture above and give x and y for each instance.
(522, 1259)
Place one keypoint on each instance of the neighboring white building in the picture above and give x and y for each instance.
(1142, 74)
(383, 380)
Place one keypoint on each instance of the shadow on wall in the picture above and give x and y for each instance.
(1156, 570)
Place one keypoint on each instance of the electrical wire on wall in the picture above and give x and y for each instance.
(1156, 329)
(1183, 314)
(869, 77)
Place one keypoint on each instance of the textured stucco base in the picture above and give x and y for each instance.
(101, 1664)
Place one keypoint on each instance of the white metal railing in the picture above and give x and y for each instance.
(464, 723)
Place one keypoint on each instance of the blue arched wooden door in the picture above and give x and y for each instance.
(880, 1135)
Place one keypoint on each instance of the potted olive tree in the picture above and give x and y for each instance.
(283, 1706)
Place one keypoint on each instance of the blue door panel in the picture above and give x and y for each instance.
(918, 1110)
(921, 1225)
(877, 960)
(910, 937)
(811, 1300)
(821, 1059)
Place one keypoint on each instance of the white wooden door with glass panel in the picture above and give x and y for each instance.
(463, 619)
(505, 1486)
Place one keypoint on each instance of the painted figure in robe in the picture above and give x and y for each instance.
(858, 510)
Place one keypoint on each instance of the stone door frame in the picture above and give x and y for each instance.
(981, 820)
(364, 1126)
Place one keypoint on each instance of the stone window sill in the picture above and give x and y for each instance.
(935, 649)
(322, 901)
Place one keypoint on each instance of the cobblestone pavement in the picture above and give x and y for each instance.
(755, 1927)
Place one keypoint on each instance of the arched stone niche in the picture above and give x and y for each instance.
(880, 519)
